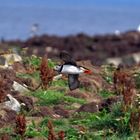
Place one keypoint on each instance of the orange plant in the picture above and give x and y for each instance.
(46, 73)
(20, 125)
(51, 135)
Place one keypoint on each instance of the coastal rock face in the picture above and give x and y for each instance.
(82, 47)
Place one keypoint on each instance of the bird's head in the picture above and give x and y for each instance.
(57, 68)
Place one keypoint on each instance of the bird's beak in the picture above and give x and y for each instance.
(87, 71)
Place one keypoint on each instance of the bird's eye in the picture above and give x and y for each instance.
(56, 67)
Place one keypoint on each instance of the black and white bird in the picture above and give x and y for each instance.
(70, 67)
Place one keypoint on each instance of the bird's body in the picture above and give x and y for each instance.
(70, 67)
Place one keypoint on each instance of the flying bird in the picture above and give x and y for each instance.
(72, 69)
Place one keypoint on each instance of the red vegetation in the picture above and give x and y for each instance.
(61, 135)
(46, 73)
(51, 135)
(124, 84)
(20, 125)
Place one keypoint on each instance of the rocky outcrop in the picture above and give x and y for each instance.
(82, 47)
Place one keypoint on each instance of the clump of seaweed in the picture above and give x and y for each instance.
(46, 73)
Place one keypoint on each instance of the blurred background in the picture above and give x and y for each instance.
(67, 17)
(99, 28)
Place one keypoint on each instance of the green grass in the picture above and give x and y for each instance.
(34, 75)
(53, 97)
(49, 97)
(70, 99)
(33, 130)
(106, 125)
(32, 61)
(137, 80)
(98, 126)
(36, 61)
(8, 130)
(105, 94)
(60, 83)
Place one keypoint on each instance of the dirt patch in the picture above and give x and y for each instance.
(5, 137)
(19, 67)
(77, 94)
(98, 106)
(6, 82)
(90, 107)
(43, 111)
(61, 111)
(27, 101)
(7, 116)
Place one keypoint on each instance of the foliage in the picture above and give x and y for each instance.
(32, 61)
(105, 94)
(113, 124)
(20, 125)
(137, 80)
(46, 73)
(55, 97)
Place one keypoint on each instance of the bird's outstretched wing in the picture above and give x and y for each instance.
(66, 57)
(73, 81)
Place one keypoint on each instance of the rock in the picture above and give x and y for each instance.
(57, 77)
(12, 103)
(19, 87)
(11, 58)
(75, 105)
(90, 107)
(8, 59)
